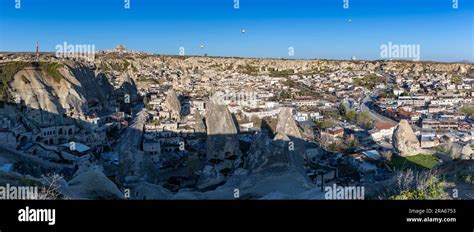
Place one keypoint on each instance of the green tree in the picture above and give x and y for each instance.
(351, 116)
(469, 111)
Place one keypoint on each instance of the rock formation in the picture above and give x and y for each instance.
(467, 152)
(284, 151)
(71, 93)
(457, 151)
(199, 125)
(404, 140)
(210, 178)
(91, 183)
(222, 140)
(173, 104)
(287, 124)
(147, 191)
(223, 151)
(136, 166)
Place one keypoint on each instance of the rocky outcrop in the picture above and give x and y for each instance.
(404, 140)
(91, 183)
(147, 191)
(136, 166)
(173, 104)
(275, 166)
(127, 85)
(222, 140)
(457, 151)
(278, 154)
(467, 152)
(462, 69)
(223, 151)
(286, 124)
(210, 178)
(199, 125)
(285, 151)
(73, 92)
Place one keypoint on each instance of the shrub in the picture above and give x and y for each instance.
(419, 186)
(51, 69)
(7, 71)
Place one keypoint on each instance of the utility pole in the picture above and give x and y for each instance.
(37, 53)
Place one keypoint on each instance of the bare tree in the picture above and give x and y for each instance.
(412, 181)
(49, 190)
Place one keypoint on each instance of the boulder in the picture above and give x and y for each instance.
(459, 151)
(210, 177)
(91, 183)
(148, 191)
(467, 152)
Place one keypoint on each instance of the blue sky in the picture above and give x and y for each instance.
(314, 28)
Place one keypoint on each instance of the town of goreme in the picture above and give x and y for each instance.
(133, 125)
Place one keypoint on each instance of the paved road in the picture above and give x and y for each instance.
(378, 118)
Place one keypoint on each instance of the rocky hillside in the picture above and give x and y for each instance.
(59, 88)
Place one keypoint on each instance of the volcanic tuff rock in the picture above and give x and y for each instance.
(223, 151)
(222, 132)
(199, 125)
(285, 151)
(72, 92)
(172, 102)
(404, 140)
(127, 84)
(210, 177)
(136, 165)
(286, 124)
(273, 171)
(147, 191)
(459, 151)
(277, 155)
(91, 183)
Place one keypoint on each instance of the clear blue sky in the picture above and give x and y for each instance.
(315, 28)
